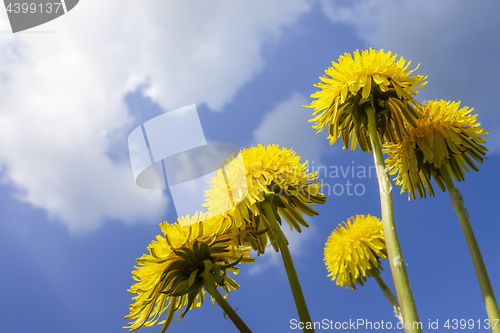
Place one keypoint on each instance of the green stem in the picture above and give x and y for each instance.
(390, 297)
(395, 255)
(293, 279)
(482, 275)
(211, 288)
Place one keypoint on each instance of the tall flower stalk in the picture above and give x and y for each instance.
(397, 264)
(489, 299)
(390, 297)
(366, 99)
(210, 286)
(293, 278)
(444, 144)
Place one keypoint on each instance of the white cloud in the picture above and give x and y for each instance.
(456, 43)
(62, 93)
(287, 125)
(377, 20)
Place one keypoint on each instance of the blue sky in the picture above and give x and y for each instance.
(72, 221)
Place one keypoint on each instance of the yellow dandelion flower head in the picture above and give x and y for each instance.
(353, 250)
(364, 79)
(268, 171)
(171, 276)
(446, 135)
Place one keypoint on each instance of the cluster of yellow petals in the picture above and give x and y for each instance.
(446, 135)
(269, 171)
(168, 278)
(353, 250)
(369, 78)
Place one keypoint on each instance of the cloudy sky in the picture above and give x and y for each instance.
(72, 220)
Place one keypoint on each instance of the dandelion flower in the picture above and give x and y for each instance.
(172, 275)
(353, 250)
(373, 79)
(271, 172)
(447, 136)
